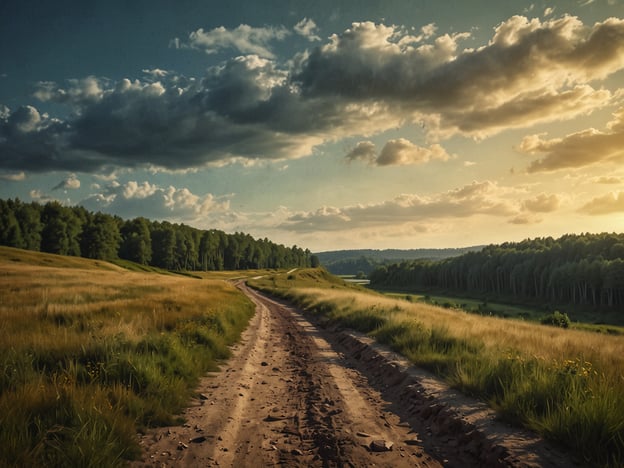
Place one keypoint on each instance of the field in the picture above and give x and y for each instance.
(584, 320)
(91, 353)
(566, 384)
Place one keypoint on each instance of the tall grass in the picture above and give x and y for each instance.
(567, 385)
(90, 355)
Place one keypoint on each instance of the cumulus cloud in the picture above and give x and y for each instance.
(132, 199)
(14, 177)
(244, 109)
(69, 183)
(477, 198)
(41, 197)
(607, 180)
(577, 149)
(362, 82)
(397, 152)
(363, 151)
(244, 38)
(78, 92)
(542, 203)
(529, 72)
(403, 152)
(610, 203)
(307, 28)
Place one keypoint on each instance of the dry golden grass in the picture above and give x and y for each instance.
(110, 300)
(89, 350)
(606, 352)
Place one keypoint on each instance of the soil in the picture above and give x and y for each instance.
(295, 394)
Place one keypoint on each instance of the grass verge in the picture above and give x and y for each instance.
(91, 353)
(567, 385)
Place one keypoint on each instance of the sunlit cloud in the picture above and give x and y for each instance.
(14, 177)
(398, 152)
(307, 28)
(477, 198)
(69, 183)
(607, 180)
(245, 39)
(577, 149)
(542, 203)
(132, 199)
(610, 203)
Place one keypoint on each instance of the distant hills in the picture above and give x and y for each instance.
(351, 262)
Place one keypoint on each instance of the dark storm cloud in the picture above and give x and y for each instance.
(368, 79)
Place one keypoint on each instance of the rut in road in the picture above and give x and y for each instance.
(287, 398)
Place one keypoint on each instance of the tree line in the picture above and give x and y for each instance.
(350, 262)
(583, 269)
(59, 229)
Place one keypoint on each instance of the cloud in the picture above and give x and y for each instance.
(363, 151)
(403, 152)
(245, 39)
(529, 72)
(14, 177)
(70, 183)
(542, 203)
(307, 28)
(362, 82)
(244, 109)
(607, 204)
(577, 149)
(397, 152)
(132, 199)
(77, 93)
(525, 218)
(608, 180)
(155, 73)
(40, 197)
(24, 120)
(478, 198)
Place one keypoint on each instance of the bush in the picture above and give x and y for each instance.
(556, 319)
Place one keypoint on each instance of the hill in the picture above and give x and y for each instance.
(350, 262)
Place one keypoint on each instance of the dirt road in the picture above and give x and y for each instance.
(288, 398)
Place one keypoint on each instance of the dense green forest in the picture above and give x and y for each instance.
(350, 262)
(585, 269)
(58, 229)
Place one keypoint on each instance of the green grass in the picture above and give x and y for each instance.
(91, 353)
(581, 320)
(566, 384)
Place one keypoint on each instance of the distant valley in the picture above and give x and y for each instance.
(352, 262)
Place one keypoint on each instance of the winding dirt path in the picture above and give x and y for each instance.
(288, 398)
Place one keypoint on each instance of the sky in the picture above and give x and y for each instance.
(327, 125)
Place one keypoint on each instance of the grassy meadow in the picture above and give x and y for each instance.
(581, 320)
(566, 384)
(91, 353)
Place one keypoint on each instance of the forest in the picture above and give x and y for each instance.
(350, 262)
(58, 229)
(575, 269)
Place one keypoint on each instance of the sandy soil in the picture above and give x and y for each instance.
(294, 394)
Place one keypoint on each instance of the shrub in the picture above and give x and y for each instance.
(556, 319)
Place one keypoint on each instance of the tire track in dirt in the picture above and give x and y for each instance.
(286, 397)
